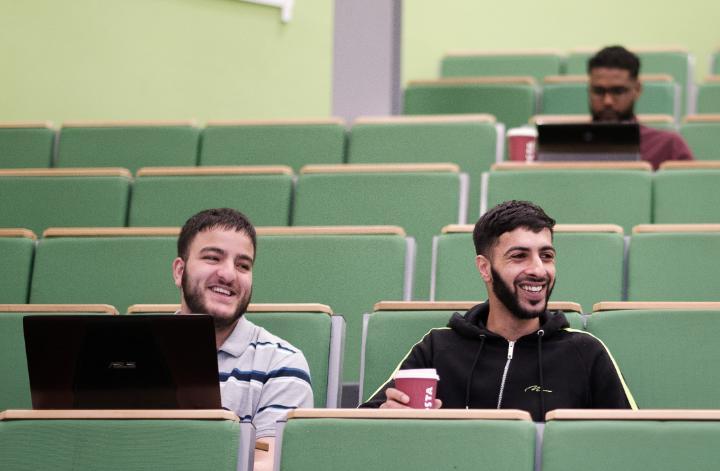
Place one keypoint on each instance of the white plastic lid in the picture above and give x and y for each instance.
(424, 373)
(526, 131)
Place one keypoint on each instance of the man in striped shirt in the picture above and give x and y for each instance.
(261, 375)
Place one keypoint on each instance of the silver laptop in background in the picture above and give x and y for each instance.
(588, 142)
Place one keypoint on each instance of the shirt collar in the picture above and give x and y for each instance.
(238, 341)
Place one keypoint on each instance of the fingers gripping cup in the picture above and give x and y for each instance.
(420, 385)
(521, 144)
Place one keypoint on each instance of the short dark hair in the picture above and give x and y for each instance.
(222, 218)
(507, 217)
(615, 57)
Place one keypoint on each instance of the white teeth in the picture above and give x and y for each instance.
(534, 289)
(224, 291)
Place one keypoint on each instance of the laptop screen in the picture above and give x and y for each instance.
(588, 142)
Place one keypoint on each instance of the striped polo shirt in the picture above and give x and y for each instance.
(262, 376)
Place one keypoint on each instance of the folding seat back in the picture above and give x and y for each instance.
(472, 142)
(17, 247)
(658, 121)
(602, 192)
(26, 145)
(406, 440)
(708, 95)
(117, 266)
(535, 63)
(393, 328)
(663, 349)
(168, 196)
(589, 264)
(130, 145)
(685, 192)
(39, 198)
(702, 134)
(348, 268)
(294, 143)
(512, 100)
(715, 63)
(674, 262)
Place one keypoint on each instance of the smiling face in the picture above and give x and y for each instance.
(216, 278)
(613, 93)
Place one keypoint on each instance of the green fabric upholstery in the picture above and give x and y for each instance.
(16, 254)
(348, 272)
(674, 266)
(170, 200)
(471, 144)
(512, 104)
(621, 197)
(130, 147)
(126, 445)
(294, 145)
(119, 271)
(686, 196)
(39, 202)
(576, 62)
(666, 356)
(708, 97)
(589, 268)
(630, 444)
(26, 147)
(407, 444)
(703, 138)
(534, 65)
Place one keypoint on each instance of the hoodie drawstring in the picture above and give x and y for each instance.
(472, 371)
(540, 334)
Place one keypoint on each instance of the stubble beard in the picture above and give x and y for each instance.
(194, 300)
(510, 300)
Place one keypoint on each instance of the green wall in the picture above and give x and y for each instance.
(163, 59)
(430, 27)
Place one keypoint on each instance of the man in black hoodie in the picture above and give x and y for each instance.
(510, 352)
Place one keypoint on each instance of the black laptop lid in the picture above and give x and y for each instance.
(122, 362)
(588, 141)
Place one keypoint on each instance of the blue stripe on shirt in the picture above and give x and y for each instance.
(264, 377)
(278, 345)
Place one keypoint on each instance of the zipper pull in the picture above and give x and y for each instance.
(511, 346)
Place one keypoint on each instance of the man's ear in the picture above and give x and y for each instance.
(638, 89)
(178, 268)
(483, 267)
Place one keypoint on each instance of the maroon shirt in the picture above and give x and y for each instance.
(657, 146)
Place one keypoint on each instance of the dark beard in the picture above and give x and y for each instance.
(196, 305)
(505, 295)
(629, 115)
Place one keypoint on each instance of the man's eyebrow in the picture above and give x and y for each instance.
(521, 248)
(212, 249)
(245, 257)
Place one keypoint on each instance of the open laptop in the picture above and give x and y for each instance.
(122, 362)
(588, 142)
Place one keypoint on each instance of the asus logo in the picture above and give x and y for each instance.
(122, 365)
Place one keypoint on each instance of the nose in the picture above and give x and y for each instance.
(608, 99)
(536, 267)
(226, 271)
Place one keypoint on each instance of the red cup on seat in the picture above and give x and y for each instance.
(521, 144)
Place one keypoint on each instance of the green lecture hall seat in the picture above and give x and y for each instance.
(26, 144)
(313, 328)
(708, 96)
(394, 327)
(168, 196)
(406, 440)
(536, 63)
(512, 100)
(348, 268)
(130, 440)
(686, 192)
(17, 248)
(40, 198)
(664, 350)
(674, 262)
(661, 440)
(702, 134)
(474, 142)
(294, 143)
(15, 393)
(128, 144)
(117, 266)
(715, 62)
(576, 192)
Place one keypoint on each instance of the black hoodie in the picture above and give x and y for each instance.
(552, 368)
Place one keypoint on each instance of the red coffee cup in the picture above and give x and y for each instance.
(420, 385)
(521, 144)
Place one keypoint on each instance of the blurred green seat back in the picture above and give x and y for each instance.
(293, 143)
(119, 440)
(26, 145)
(589, 265)
(364, 440)
(349, 269)
(118, 266)
(511, 100)
(17, 248)
(674, 263)
(657, 440)
(702, 134)
(15, 392)
(393, 328)
(715, 62)
(664, 351)
(40, 198)
(130, 145)
(533, 63)
(472, 142)
(686, 195)
(708, 96)
(169, 196)
(618, 193)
